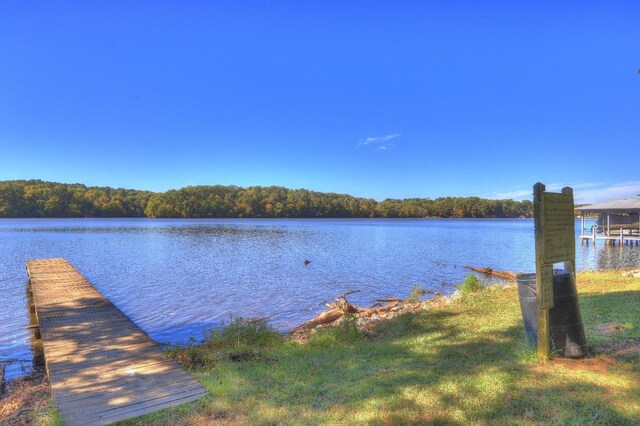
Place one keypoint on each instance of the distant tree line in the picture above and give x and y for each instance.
(36, 198)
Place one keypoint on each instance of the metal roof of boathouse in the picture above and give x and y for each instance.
(626, 205)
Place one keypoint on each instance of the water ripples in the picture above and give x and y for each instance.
(178, 278)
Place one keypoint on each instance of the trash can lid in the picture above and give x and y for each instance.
(527, 277)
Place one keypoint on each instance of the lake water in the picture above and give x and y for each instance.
(176, 278)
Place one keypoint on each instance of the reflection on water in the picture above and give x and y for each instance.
(614, 257)
(176, 278)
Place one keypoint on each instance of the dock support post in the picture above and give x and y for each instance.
(543, 314)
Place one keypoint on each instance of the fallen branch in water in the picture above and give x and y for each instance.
(268, 317)
(341, 307)
(377, 309)
(505, 275)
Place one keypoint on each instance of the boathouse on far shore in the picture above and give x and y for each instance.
(618, 221)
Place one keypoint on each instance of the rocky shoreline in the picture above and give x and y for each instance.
(26, 400)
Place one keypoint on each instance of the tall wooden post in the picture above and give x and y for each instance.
(570, 264)
(543, 314)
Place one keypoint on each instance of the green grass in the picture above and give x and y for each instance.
(48, 416)
(465, 362)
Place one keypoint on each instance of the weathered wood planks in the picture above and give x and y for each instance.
(102, 368)
(2, 366)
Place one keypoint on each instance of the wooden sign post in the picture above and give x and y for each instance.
(555, 242)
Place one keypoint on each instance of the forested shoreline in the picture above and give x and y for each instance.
(36, 198)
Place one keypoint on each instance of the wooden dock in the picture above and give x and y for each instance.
(611, 239)
(101, 366)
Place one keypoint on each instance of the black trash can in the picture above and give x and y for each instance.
(566, 333)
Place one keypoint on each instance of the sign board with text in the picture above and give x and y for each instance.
(545, 295)
(558, 234)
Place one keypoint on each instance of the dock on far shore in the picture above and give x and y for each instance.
(614, 238)
(102, 367)
(619, 221)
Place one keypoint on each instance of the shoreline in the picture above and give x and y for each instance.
(27, 400)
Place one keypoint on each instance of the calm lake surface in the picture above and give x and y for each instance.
(177, 278)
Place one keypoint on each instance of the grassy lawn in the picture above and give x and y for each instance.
(460, 363)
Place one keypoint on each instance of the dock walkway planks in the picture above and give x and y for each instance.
(102, 368)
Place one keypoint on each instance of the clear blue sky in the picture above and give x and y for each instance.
(376, 99)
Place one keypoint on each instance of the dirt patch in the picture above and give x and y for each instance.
(24, 400)
(598, 364)
(220, 418)
(627, 351)
(622, 349)
(609, 328)
(607, 357)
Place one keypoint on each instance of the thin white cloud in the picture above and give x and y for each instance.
(519, 194)
(379, 142)
(606, 192)
(583, 192)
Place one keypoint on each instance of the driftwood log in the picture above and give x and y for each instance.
(505, 275)
(341, 306)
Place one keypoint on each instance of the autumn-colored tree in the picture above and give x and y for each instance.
(35, 198)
